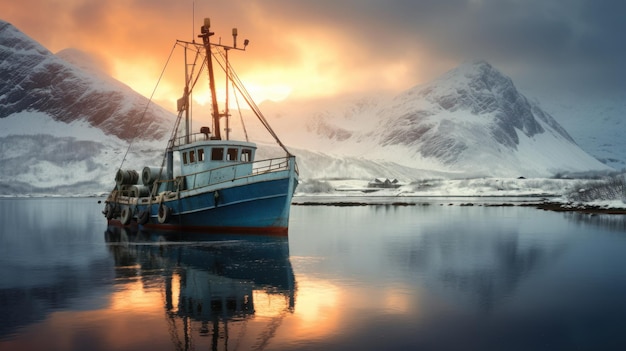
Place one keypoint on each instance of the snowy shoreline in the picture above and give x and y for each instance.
(611, 207)
(547, 194)
(541, 193)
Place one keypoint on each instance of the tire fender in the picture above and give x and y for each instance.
(110, 210)
(143, 217)
(164, 214)
(126, 215)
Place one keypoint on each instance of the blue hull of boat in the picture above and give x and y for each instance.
(259, 207)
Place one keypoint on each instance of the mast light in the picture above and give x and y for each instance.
(205, 28)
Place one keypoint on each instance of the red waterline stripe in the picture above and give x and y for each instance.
(271, 231)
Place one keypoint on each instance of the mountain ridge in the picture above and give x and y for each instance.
(34, 79)
(456, 123)
(65, 129)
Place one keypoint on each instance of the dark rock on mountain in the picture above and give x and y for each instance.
(476, 89)
(34, 79)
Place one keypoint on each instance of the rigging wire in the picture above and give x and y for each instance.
(236, 83)
(130, 144)
(172, 139)
(189, 78)
(243, 125)
(246, 96)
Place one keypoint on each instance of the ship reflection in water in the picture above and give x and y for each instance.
(211, 289)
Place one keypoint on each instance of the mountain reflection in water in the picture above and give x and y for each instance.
(474, 267)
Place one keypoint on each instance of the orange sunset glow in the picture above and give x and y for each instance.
(288, 56)
(311, 49)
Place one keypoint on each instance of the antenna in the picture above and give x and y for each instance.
(193, 20)
(205, 34)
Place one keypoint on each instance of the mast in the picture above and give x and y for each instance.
(206, 34)
(227, 68)
(186, 102)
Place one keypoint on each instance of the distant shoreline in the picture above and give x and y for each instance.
(547, 206)
(581, 208)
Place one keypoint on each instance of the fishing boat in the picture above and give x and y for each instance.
(219, 185)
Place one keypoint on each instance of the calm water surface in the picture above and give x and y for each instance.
(381, 277)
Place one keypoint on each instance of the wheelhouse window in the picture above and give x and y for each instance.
(246, 155)
(184, 158)
(217, 154)
(192, 156)
(231, 154)
(200, 155)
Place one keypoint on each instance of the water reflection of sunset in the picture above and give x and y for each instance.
(113, 327)
(134, 296)
(398, 301)
(269, 305)
(325, 310)
(175, 290)
(317, 299)
(318, 313)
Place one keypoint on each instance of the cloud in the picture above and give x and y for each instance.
(545, 42)
(331, 47)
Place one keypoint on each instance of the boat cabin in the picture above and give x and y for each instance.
(205, 155)
(206, 161)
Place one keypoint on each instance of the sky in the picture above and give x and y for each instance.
(324, 48)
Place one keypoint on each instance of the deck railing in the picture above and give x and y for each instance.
(224, 174)
(183, 140)
(271, 165)
(227, 173)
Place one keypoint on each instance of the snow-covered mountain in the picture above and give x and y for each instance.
(34, 79)
(595, 120)
(470, 122)
(63, 128)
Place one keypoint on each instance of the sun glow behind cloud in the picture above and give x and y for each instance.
(326, 48)
(143, 77)
(259, 93)
(287, 56)
(306, 62)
